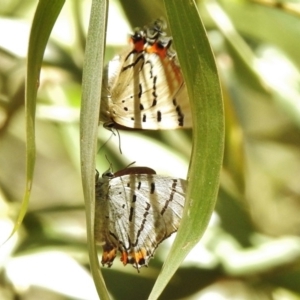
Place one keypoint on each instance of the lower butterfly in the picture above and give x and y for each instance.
(135, 211)
(143, 87)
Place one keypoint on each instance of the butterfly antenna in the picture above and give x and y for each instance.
(110, 163)
(106, 141)
(132, 163)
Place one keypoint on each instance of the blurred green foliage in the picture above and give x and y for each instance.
(251, 248)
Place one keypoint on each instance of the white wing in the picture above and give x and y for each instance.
(145, 91)
(136, 215)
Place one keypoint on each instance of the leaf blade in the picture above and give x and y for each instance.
(202, 81)
(89, 116)
(44, 19)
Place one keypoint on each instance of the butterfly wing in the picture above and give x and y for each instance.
(136, 215)
(145, 91)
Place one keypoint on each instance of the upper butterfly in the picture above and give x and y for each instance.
(135, 211)
(143, 87)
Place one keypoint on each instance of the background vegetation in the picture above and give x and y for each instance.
(251, 248)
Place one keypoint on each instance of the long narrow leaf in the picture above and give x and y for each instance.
(43, 22)
(90, 106)
(200, 73)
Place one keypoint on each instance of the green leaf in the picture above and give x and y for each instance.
(43, 22)
(200, 73)
(90, 106)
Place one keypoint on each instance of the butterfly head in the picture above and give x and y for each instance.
(138, 39)
(155, 31)
(106, 176)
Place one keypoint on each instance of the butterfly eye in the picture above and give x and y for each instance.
(138, 36)
(109, 125)
(108, 174)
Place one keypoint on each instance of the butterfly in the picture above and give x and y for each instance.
(136, 210)
(143, 87)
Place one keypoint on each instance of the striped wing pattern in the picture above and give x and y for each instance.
(143, 87)
(135, 212)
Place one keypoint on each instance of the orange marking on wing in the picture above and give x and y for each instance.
(108, 256)
(124, 258)
(138, 256)
(135, 258)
